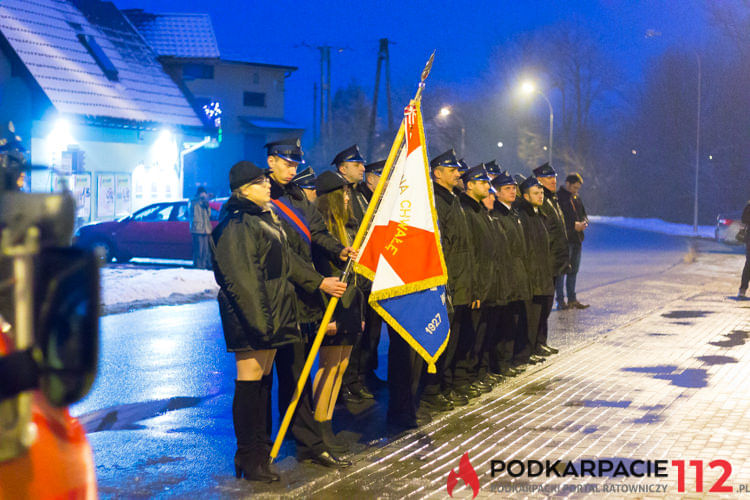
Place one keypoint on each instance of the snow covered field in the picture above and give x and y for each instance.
(654, 225)
(134, 286)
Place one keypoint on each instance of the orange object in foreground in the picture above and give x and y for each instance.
(58, 465)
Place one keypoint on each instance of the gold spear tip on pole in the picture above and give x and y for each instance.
(428, 67)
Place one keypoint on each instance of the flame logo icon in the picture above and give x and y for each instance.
(467, 473)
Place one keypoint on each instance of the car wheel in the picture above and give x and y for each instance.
(103, 249)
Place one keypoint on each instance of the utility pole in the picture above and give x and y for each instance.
(383, 59)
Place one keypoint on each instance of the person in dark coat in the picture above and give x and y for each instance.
(351, 166)
(470, 353)
(306, 181)
(554, 221)
(363, 361)
(439, 393)
(539, 265)
(200, 228)
(333, 201)
(746, 270)
(306, 233)
(252, 264)
(512, 321)
(576, 223)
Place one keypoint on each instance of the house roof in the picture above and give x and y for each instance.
(89, 60)
(269, 123)
(176, 35)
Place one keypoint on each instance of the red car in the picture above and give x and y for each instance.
(160, 230)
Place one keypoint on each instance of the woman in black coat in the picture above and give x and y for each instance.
(746, 270)
(333, 201)
(251, 261)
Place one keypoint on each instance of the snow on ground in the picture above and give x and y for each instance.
(129, 287)
(654, 225)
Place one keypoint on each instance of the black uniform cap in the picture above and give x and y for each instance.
(329, 181)
(527, 183)
(545, 170)
(375, 167)
(492, 167)
(478, 173)
(305, 179)
(502, 179)
(288, 149)
(243, 172)
(446, 159)
(463, 166)
(349, 154)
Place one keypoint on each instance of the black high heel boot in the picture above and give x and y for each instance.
(263, 427)
(251, 454)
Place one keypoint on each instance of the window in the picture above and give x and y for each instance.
(153, 213)
(255, 99)
(197, 71)
(182, 212)
(256, 78)
(93, 48)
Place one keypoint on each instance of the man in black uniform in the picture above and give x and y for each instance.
(470, 351)
(439, 393)
(306, 232)
(554, 221)
(365, 362)
(306, 180)
(350, 165)
(512, 322)
(538, 262)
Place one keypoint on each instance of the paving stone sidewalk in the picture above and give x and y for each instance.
(668, 384)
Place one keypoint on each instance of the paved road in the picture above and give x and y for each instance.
(159, 414)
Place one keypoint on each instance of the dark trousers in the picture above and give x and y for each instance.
(404, 371)
(521, 347)
(470, 348)
(501, 348)
(569, 279)
(290, 360)
(457, 372)
(746, 270)
(201, 251)
(487, 321)
(538, 316)
(364, 357)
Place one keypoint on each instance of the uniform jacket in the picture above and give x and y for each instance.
(455, 240)
(252, 264)
(572, 208)
(200, 216)
(540, 259)
(365, 190)
(359, 205)
(305, 278)
(519, 286)
(554, 221)
(484, 255)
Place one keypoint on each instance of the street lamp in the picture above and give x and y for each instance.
(529, 88)
(444, 113)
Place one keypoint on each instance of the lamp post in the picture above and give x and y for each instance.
(445, 112)
(697, 147)
(529, 88)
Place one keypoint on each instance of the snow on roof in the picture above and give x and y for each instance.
(178, 34)
(89, 60)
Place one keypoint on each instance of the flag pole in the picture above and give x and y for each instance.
(364, 225)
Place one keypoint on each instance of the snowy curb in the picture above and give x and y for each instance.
(127, 288)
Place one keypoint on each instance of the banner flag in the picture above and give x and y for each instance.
(401, 252)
